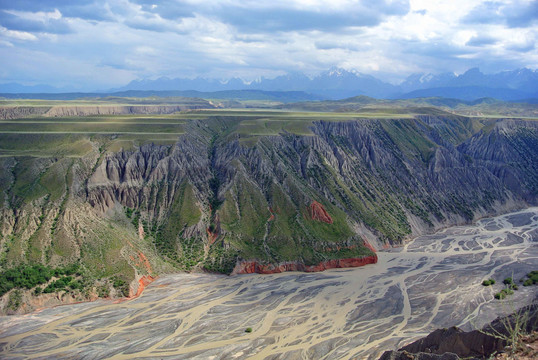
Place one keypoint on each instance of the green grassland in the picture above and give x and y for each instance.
(73, 136)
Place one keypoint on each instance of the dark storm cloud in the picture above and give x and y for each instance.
(51, 26)
(515, 14)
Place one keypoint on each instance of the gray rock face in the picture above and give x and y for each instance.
(16, 112)
(361, 167)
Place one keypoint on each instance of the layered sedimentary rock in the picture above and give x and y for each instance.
(61, 111)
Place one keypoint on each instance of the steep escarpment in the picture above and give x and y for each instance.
(17, 112)
(53, 110)
(226, 200)
(62, 111)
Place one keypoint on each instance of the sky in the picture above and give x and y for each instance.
(101, 44)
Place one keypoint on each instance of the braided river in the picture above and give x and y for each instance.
(432, 282)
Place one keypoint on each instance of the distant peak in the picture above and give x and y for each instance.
(424, 78)
(337, 71)
(473, 71)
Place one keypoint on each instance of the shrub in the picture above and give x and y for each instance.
(486, 283)
(508, 281)
(532, 278)
(15, 300)
(24, 276)
(248, 330)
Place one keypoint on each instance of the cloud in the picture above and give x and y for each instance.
(258, 16)
(51, 23)
(481, 40)
(363, 14)
(110, 41)
(518, 13)
(17, 35)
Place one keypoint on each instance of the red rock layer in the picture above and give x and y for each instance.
(211, 236)
(142, 283)
(368, 245)
(318, 212)
(250, 267)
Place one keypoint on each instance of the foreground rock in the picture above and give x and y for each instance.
(454, 343)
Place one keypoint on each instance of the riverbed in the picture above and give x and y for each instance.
(432, 282)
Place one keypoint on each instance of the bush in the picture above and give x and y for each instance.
(15, 300)
(507, 291)
(533, 276)
(488, 282)
(500, 295)
(24, 276)
(508, 281)
(528, 282)
(121, 285)
(248, 330)
(75, 285)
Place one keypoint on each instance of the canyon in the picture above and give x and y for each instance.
(242, 191)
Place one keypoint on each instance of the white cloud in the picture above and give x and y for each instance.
(17, 35)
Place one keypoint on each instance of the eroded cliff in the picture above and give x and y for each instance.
(221, 198)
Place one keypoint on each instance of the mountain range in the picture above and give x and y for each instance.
(337, 83)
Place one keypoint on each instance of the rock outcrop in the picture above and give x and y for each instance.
(62, 111)
(252, 266)
(318, 212)
(454, 343)
(17, 112)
